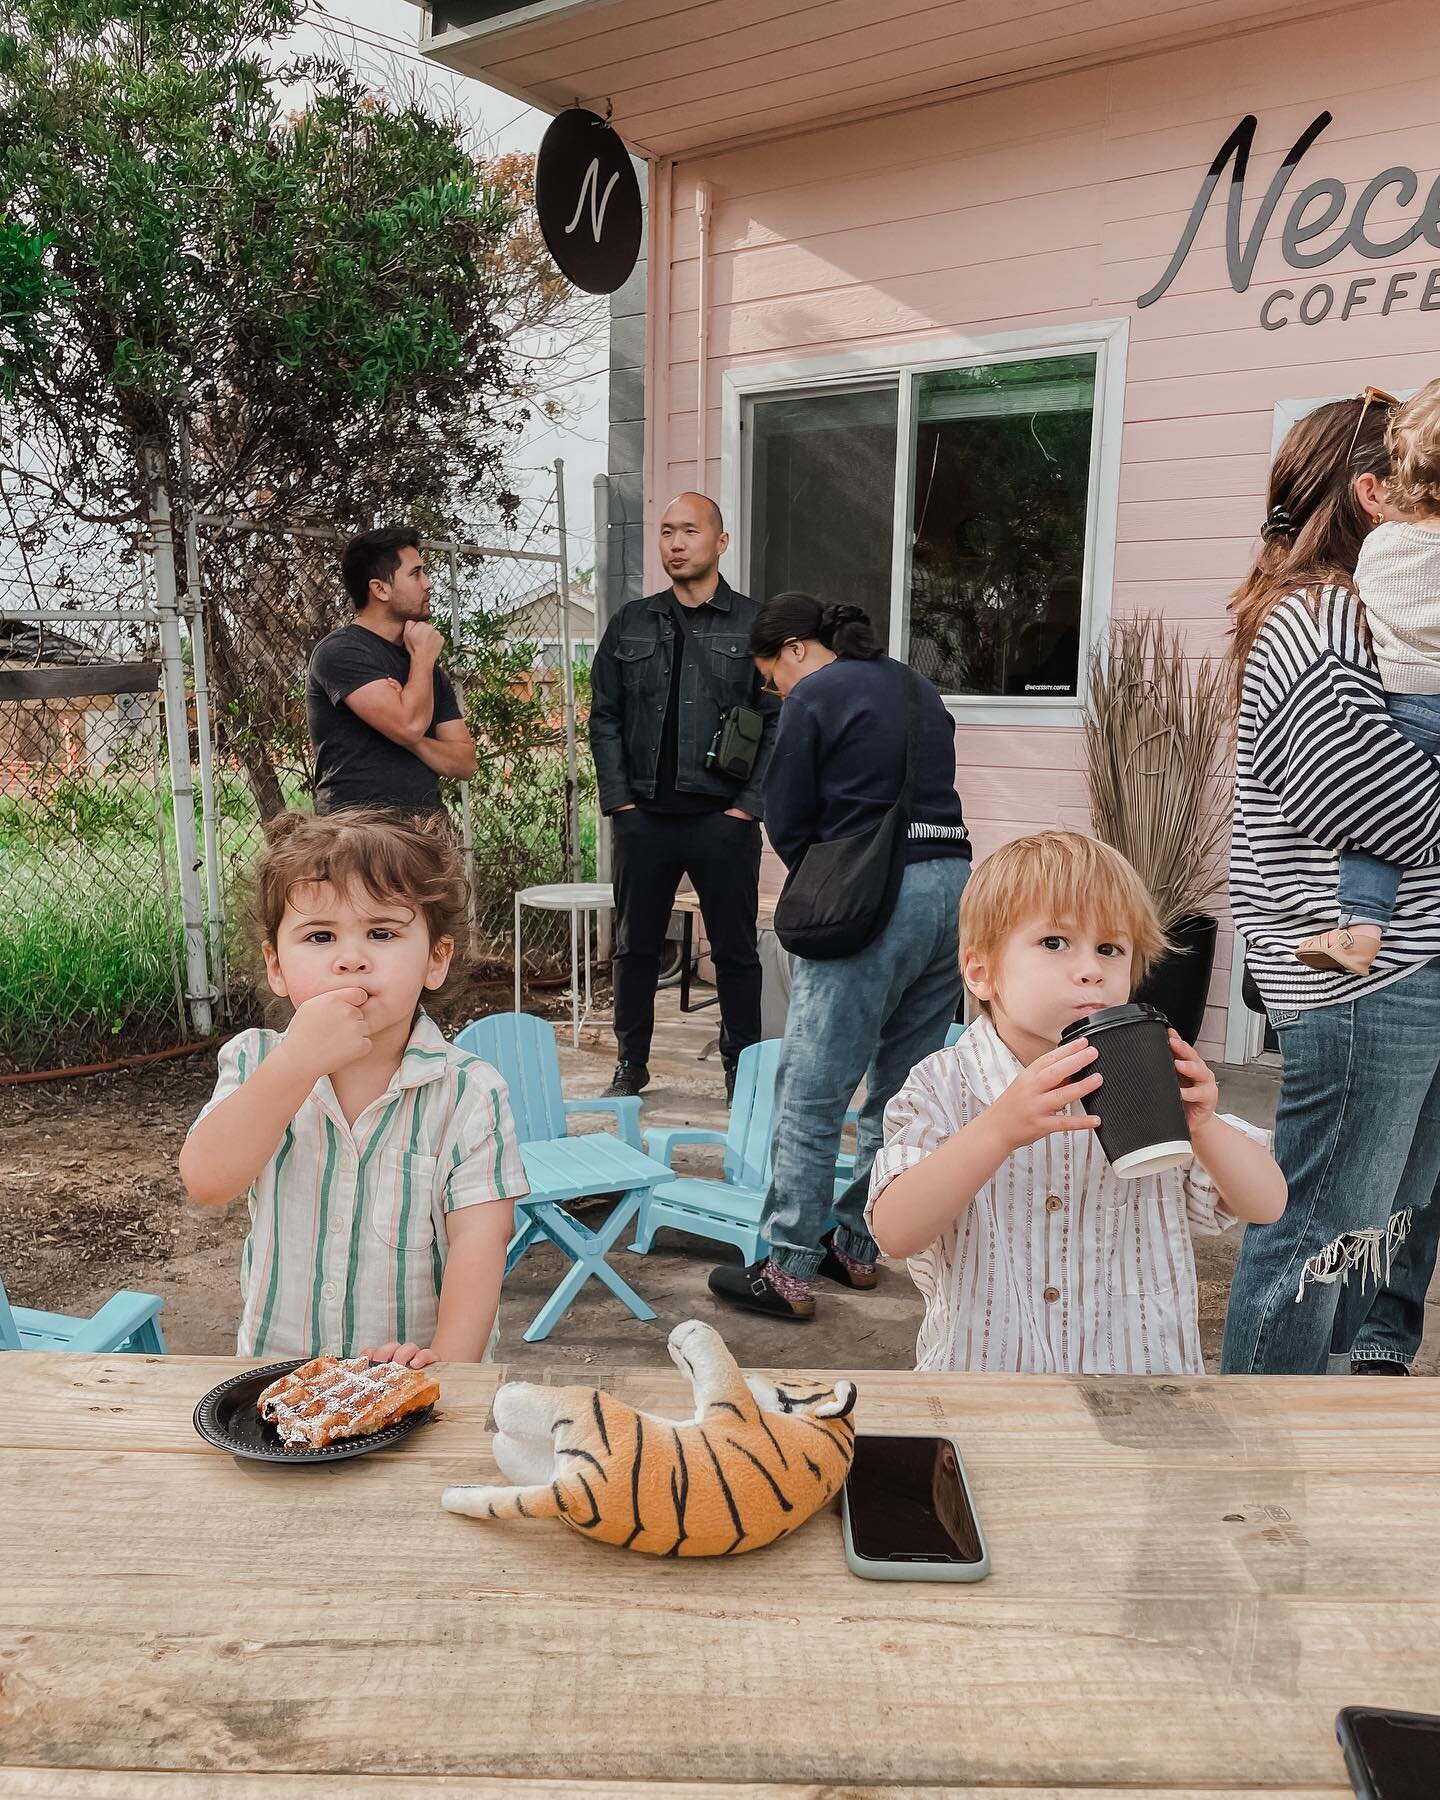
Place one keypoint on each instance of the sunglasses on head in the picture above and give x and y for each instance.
(1368, 395)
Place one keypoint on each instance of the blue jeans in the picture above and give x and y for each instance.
(1345, 1268)
(1368, 886)
(875, 1014)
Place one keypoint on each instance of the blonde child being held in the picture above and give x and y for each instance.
(1028, 1250)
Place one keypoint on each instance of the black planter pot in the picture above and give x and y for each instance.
(1180, 981)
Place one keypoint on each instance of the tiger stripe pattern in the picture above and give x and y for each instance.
(756, 1460)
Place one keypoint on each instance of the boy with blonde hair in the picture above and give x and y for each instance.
(1029, 1251)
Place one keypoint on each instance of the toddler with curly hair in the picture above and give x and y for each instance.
(380, 1163)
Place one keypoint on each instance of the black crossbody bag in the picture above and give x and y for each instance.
(736, 743)
(839, 896)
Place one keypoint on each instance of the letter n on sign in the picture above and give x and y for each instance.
(589, 201)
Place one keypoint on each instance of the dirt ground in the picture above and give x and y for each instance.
(89, 1197)
(90, 1202)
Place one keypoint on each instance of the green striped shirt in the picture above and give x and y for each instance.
(347, 1223)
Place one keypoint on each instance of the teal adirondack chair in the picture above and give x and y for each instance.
(125, 1323)
(727, 1210)
(561, 1168)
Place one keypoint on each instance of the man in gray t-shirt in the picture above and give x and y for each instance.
(383, 716)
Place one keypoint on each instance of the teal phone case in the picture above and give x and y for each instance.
(910, 1571)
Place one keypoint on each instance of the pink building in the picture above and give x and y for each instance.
(950, 301)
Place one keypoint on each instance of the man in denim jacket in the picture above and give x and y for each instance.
(654, 715)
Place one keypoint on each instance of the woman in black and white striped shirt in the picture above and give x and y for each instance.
(1320, 765)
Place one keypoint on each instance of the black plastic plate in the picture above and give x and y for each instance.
(227, 1418)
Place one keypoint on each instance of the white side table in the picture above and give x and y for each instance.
(580, 899)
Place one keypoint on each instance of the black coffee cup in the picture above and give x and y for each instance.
(1142, 1118)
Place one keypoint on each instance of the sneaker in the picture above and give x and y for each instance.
(1379, 1365)
(627, 1081)
(862, 1279)
(1352, 947)
(748, 1288)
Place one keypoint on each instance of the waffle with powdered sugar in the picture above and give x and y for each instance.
(333, 1397)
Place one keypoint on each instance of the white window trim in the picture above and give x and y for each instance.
(1291, 412)
(1107, 338)
(1244, 1030)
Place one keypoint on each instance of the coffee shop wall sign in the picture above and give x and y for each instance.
(1320, 225)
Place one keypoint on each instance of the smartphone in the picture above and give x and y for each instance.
(908, 1513)
(1390, 1755)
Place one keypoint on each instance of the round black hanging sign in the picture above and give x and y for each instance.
(588, 200)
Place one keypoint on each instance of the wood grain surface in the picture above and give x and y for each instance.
(1190, 1578)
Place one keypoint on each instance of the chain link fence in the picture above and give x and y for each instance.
(90, 924)
(114, 940)
(270, 594)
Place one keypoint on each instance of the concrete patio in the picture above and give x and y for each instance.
(849, 1330)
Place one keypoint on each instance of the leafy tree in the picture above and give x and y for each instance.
(517, 797)
(344, 305)
(27, 288)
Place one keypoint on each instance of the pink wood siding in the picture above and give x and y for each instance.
(1059, 201)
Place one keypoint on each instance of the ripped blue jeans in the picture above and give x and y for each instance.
(1345, 1268)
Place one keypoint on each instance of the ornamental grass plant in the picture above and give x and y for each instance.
(1158, 735)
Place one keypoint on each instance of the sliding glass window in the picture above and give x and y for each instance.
(995, 480)
(822, 496)
(999, 482)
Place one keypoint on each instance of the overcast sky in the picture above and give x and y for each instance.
(380, 38)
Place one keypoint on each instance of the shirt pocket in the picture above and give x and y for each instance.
(636, 657)
(401, 1200)
(1147, 1245)
(730, 659)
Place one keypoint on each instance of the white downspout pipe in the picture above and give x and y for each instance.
(702, 334)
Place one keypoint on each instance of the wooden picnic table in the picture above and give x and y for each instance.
(1190, 1578)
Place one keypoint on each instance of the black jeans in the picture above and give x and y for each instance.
(721, 855)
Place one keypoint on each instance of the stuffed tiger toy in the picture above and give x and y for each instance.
(755, 1461)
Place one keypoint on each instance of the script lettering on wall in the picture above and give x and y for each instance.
(1317, 212)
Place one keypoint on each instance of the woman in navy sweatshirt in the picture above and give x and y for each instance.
(838, 766)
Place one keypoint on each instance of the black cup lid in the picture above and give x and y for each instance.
(1110, 1016)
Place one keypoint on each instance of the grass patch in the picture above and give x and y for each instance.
(90, 940)
(88, 948)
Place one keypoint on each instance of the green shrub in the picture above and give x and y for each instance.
(90, 941)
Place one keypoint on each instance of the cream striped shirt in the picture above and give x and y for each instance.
(1056, 1267)
(347, 1223)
